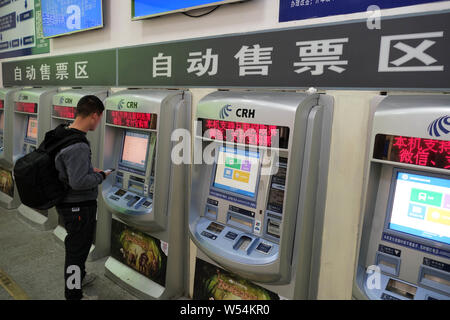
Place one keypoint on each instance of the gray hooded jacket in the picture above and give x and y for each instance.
(75, 168)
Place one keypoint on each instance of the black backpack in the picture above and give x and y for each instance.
(36, 176)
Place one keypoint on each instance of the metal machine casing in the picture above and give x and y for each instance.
(405, 260)
(163, 187)
(6, 156)
(287, 266)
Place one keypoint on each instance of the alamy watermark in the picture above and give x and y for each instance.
(191, 150)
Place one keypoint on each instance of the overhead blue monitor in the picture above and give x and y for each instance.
(150, 8)
(70, 16)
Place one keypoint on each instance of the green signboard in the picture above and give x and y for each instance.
(84, 69)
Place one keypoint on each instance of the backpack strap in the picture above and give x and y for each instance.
(65, 142)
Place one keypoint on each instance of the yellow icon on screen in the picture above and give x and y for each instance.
(241, 176)
(437, 215)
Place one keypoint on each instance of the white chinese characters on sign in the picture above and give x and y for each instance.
(62, 71)
(200, 64)
(254, 61)
(318, 54)
(45, 70)
(80, 70)
(30, 73)
(162, 66)
(410, 53)
(17, 74)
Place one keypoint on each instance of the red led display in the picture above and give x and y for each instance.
(2, 106)
(131, 119)
(245, 133)
(27, 107)
(64, 112)
(411, 150)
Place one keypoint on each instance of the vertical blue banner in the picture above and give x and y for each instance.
(306, 9)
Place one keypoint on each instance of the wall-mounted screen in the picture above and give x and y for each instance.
(70, 16)
(421, 206)
(237, 171)
(142, 9)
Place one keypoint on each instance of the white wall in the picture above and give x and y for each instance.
(347, 162)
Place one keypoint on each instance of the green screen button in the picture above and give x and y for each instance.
(426, 197)
(233, 163)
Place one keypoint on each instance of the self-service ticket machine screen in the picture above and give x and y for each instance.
(7, 199)
(63, 111)
(32, 114)
(252, 194)
(404, 250)
(141, 227)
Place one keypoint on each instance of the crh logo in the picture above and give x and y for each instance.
(120, 105)
(240, 112)
(225, 112)
(65, 100)
(439, 126)
(23, 97)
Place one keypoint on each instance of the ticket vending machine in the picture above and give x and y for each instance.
(404, 250)
(64, 111)
(7, 199)
(257, 197)
(32, 112)
(142, 226)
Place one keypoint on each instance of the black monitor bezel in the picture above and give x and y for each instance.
(390, 204)
(214, 172)
(135, 167)
(26, 131)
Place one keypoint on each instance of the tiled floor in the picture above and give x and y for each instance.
(35, 260)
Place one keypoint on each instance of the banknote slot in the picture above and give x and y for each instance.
(437, 279)
(434, 278)
(401, 288)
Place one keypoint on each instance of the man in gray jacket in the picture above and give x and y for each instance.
(78, 209)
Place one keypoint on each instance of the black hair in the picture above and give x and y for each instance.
(89, 105)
